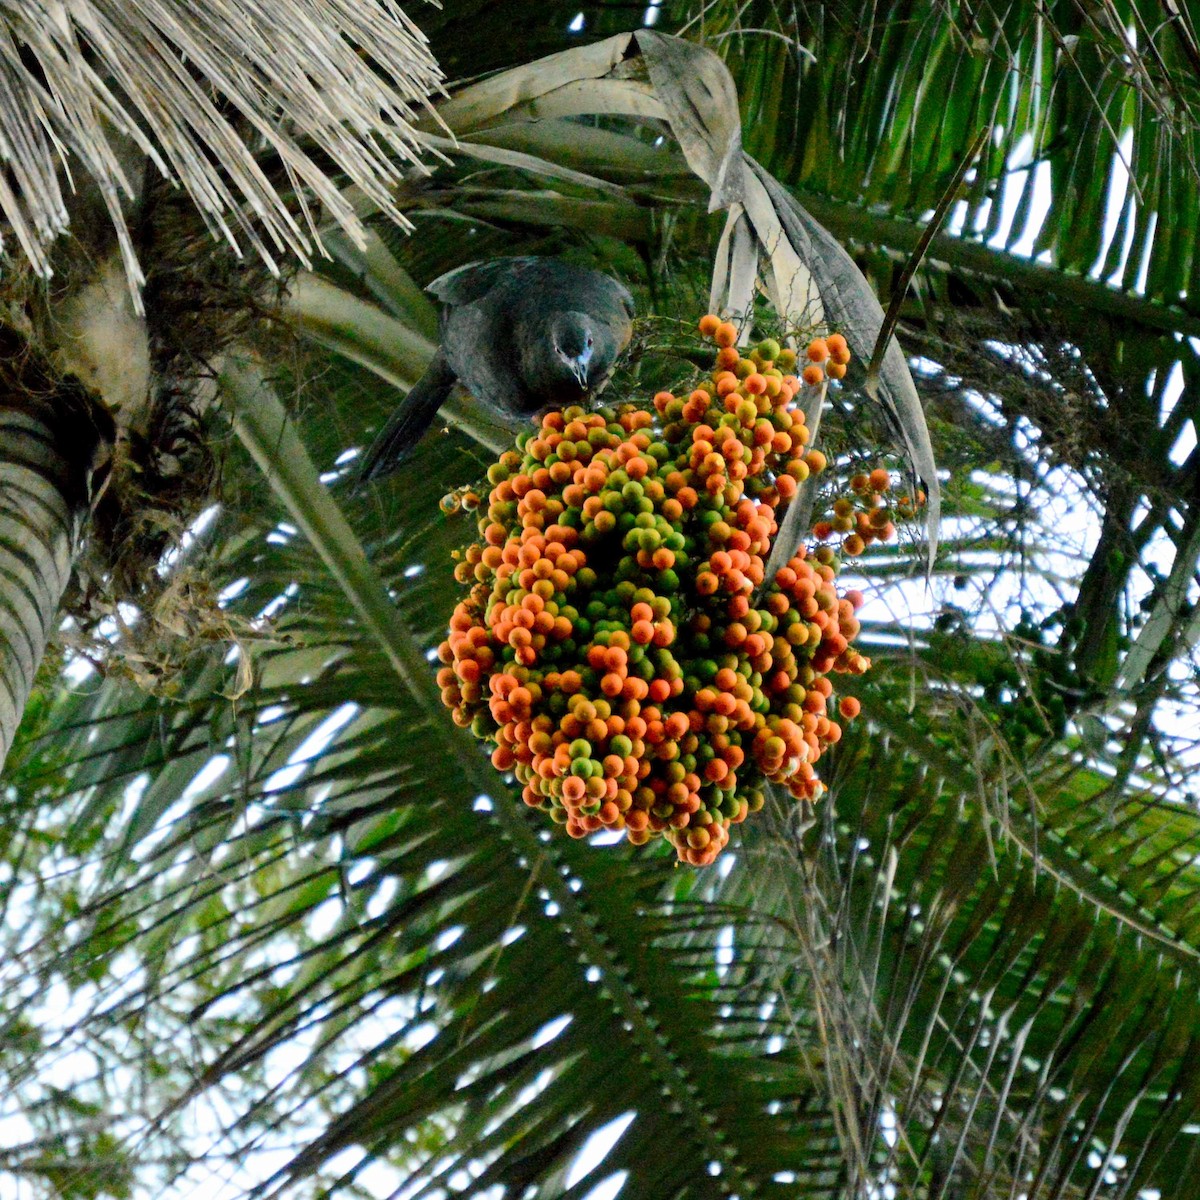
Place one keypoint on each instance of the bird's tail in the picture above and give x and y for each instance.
(409, 422)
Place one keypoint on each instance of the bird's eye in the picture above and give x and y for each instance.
(589, 341)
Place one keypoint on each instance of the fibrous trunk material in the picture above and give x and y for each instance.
(51, 429)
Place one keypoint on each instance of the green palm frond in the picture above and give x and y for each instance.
(854, 104)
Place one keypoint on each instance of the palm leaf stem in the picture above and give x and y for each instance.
(856, 224)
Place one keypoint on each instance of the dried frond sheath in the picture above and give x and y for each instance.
(203, 89)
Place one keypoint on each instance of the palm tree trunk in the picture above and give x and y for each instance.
(51, 429)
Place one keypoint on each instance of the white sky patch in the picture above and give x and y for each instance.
(1172, 392)
(598, 1147)
(1038, 208)
(1145, 249)
(1185, 443)
(360, 871)
(194, 530)
(724, 950)
(232, 591)
(206, 776)
(608, 1188)
(448, 937)
(420, 1035)
(272, 607)
(76, 671)
(551, 1030)
(323, 919)
(311, 747)
(887, 1126)
(282, 534)
(1118, 188)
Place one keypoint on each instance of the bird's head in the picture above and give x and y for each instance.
(573, 342)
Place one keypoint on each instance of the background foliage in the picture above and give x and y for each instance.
(270, 921)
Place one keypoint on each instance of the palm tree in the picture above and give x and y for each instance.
(241, 108)
(283, 925)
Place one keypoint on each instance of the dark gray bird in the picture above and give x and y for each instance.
(519, 334)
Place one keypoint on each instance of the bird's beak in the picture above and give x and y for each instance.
(579, 366)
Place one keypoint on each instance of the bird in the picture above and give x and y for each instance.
(522, 335)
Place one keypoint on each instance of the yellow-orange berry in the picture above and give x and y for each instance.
(725, 334)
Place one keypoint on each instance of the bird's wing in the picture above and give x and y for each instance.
(473, 281)
(409, 422)
(626, 299)
(623, 329)
(478, 342)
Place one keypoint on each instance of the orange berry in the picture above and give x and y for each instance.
(853, 546)
(818, 350)
(836, 343)
(813, 375)
(836, 370)
(725, 334)
(880, 480)
(849, 707)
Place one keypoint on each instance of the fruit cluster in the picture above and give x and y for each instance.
(618, 645)
(864, 515)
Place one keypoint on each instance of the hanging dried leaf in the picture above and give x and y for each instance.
(99, 84)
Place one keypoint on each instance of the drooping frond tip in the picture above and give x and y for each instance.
(198, 88)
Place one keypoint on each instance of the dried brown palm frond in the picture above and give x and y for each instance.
(202, 89)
